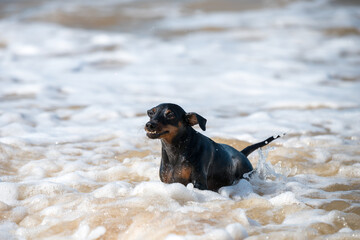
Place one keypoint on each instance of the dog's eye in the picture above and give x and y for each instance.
(151, 112)
(169, 115)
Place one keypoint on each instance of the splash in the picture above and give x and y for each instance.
(266, 178)
(265, 170)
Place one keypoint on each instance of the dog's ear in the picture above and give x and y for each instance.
(194, 118)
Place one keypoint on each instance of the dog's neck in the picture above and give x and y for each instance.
(180, 145)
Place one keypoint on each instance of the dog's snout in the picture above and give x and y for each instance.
(151, 126)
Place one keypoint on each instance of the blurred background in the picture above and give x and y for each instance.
(76, 79)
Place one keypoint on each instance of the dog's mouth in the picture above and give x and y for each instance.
(155, 134)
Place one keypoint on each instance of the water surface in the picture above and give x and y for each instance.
(76, 79)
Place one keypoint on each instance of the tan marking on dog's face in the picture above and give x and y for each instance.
(172, 132)
(169, 115)
(151, 112)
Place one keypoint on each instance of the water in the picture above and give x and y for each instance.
(76, 79)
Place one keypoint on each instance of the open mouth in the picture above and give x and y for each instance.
(155, 134)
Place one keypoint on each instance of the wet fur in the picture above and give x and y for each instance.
(190, 157)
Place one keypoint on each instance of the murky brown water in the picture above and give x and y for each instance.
(78, 76)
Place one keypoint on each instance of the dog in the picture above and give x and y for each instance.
(188, 156)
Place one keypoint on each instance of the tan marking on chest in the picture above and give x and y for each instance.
(166, 176)
(178, 174)
(185, 172)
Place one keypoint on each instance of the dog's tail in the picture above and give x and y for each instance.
(246, 151)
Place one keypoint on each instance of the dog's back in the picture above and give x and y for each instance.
(227, 166)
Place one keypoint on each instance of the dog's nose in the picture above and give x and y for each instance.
(151, 126)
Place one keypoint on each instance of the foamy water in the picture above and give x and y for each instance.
(76, 79)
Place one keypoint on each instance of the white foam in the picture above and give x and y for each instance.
(148, 169)
(350, 171)
(113, 190)
(9, 193)
(345, 230)
(7, 229)
(37, 202)
(112, 173)
(174, 191)
(175, 237)
(286, 198)
(237, 231)
(49, 189)
(311, 216)
(240, 216)
(84, 232)
(67, 119)
(238, 191)
(234, 231)
(220, 234)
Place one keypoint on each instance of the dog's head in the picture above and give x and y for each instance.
(167, 119)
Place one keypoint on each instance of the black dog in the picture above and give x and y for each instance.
(190, 157)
